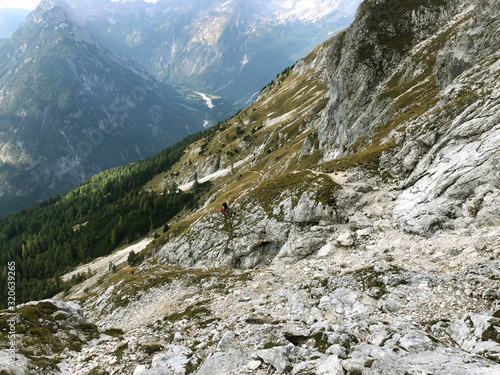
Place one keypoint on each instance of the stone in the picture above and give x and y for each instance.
(178, 336)
(364, 188)
(307, 367)
(337, 350)
(173, 362)
(253, 365)
(276, 357)
(345, 239)
(224, 363)
(308, 210)
(389, 305)
(325, 250)
(228, 342)
(330, 366)
(415, 342)
(359, 221)
(491, 294)
(364, 232)
(139, 370)
(19, 367)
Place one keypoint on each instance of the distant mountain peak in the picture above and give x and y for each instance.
(71, 107)
(59, 7)
(228, 49)
(47, 4)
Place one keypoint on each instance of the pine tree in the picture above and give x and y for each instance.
(114, 237)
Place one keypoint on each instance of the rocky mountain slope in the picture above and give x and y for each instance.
(70, 109)
(227, 50)
(363, 233)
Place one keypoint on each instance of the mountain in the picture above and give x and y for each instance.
(363, 233)
(70, 109)
(10, 19)
(227, 50)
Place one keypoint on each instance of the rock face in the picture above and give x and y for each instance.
(252, 234)
(451, 173)
(425, 311)
(49, 328)
(362, 62)
(380, 301)
(457, 179)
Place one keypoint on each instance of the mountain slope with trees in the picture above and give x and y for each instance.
(111, 209)
(70, 109)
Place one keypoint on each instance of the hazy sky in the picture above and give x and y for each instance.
(31, 4)
(24, 4)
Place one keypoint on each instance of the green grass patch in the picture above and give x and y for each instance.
(151, 349)
(114, 332)
(366, 158)
(118, 353)
(268, 193)
(190, 312)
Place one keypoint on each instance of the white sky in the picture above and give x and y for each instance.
(31, 4)
(24, 4)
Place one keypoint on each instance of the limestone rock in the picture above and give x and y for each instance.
(224, 363)
(253, 365)
(173, 362)
(345, 239)
(325, 250)
(308, 210)
(477, 334)
(330, 366)
(17, 367)
(276, 357)
(359, 221)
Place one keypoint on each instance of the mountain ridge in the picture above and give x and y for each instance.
(228, 50)
(57, 126)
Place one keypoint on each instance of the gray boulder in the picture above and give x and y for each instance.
(278, 357)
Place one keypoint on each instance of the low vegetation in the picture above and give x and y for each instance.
(45, 333)
(294, 185)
